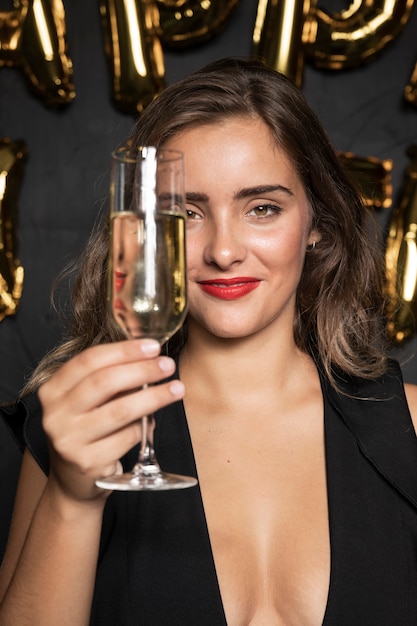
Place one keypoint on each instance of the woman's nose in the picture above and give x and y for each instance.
(224, 245)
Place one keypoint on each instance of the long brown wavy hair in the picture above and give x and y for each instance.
(340, 305)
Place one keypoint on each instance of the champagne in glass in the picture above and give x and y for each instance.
(147, 285)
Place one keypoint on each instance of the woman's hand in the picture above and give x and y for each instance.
(91, 410)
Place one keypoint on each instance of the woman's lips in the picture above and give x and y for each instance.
(229, 288)
(119, 280)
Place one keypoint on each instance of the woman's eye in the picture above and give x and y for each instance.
(192, 215)
(264, 210)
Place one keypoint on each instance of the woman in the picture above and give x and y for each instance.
(288, 410)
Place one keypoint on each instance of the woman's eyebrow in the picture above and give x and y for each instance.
(247, 192)
(194, 196)
(260, 190)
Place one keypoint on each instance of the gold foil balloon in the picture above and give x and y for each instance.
(12, 155)
(187, 22)
(33, 37)
(401, 259)
(134, 51)
(346, 39)
(372, 177)
(410, 91)
(279, 33)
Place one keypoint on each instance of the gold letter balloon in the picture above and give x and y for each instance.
(12, 154)
(401, 259)
(349, 38)
(33, 37)
(134, 52)
(188, 22)
(410, 91)
(278, 35)
(372, 178)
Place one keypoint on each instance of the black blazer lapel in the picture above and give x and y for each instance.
(377, 414)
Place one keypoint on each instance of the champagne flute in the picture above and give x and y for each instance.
(147, 290)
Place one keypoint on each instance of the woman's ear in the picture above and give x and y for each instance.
(313, 239)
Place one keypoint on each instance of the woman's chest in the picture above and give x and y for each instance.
(265, 500)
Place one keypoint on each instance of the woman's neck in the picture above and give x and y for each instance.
(232, 366)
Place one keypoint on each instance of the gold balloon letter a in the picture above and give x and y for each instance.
(33, 37)
(134, 51)
(11, 272)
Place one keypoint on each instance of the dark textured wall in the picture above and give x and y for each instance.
(65, 180)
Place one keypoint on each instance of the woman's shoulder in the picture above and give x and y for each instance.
(411, 394)
(24, 422)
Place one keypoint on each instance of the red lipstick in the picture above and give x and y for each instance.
(119, 280)
(229, 288)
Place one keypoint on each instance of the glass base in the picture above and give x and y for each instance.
(151, 479)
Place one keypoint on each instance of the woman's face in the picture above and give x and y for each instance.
(248, 226)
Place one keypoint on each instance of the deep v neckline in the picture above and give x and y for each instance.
(192, 459)
(326, 616)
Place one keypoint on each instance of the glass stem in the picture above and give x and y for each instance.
(147, 459)
(146, 463)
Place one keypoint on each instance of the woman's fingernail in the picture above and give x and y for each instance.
(166, 364)
(177, 388)
(149, 347)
